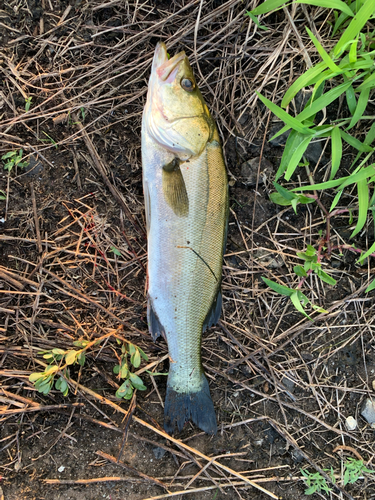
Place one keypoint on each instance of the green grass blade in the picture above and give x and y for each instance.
(355, 143)
(255, 20)
(296, 157)
(293, 141)
(369, 83)
(297, 304)
(303, 81)
(317, 105)
(331, 4)
(284, 116)
(276, 287)
(351, 100)
(323, 54)
(360, 109)
(365, 173)
(367, 254)
(336, 200)
(370, 287)
(267, 6)
(323, 101)
(362, 190)
(336, 151)
(355, 26)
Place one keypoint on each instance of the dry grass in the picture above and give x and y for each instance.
(271, 371)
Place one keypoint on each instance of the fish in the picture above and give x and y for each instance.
(186, 206)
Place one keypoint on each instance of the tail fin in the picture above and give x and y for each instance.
(181, 407)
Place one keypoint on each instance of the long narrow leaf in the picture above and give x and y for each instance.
(361, 106)
(320, 103)
(362, 190)
(352, 141)
(331, 4)
(283, 290)
(370, 287)
(284, 116)
(297, 304)
(365, 173)
(270, 5)
(303, 81)
(293, 141)
(355, 26)
(296, 157)
(336, 200)
(367, 254)
(323, 54)
(336, 151)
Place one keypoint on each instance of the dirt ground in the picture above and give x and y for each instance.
(73, 266)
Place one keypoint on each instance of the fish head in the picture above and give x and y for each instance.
(176, 115)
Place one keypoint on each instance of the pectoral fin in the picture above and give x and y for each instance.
(174, 188)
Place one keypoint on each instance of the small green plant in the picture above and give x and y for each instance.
(60, 360)
(49, 139)
(3, 195)
(13, 159)
(28, 103)
(354, 469)
(316, 483)
(132, 381)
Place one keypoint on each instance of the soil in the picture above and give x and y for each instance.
(282, 385)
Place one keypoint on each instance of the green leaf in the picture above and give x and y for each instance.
(35, 376)
(319, 104)
(355, 26)
(366, 254)
(293, 141)
(285, 193)
(296, 157)
(299, 270)
(363, 194)
(326, 278)
(125, 390)
(276, 287)
(296, 300)
(279, 200)
(364, 173)
(350, 99)
(131, 348)
(336, 200)
(336, 151)
(115, 251)
(326, 58)
(81, 358)
(137, 382)
(70, 357)
(136, 359)
(124, 370)
(284, 116)
(10, 154)
(51, 370)
(116, 369)
(256, 21)
(270, 5)
(143, 354)
(58, 351)
(361, 106)
(303, 81)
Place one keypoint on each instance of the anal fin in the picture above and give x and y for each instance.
(154, 326)
(213, 314)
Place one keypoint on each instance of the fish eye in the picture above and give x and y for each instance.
(187, 84)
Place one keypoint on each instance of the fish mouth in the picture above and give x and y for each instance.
(165, 68)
